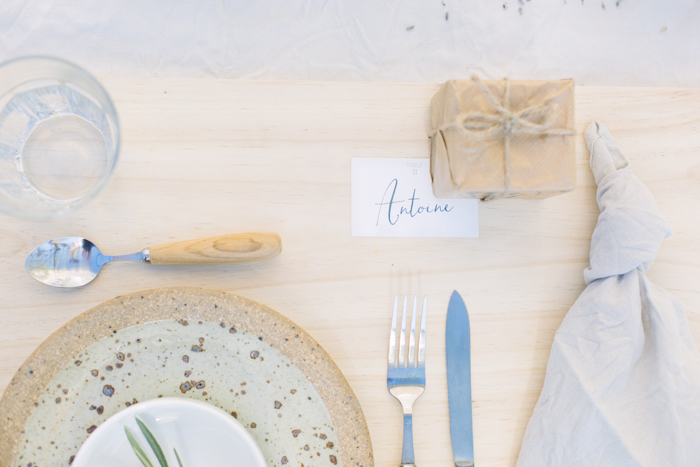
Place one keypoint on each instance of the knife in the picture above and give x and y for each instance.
(459, 381)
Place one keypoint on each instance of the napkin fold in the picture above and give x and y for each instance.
(622, 386)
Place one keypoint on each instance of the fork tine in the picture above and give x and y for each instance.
(421, 343)
(392, 336)
(402, 338)
(412, 337)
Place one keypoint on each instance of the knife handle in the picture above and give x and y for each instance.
(223, 249)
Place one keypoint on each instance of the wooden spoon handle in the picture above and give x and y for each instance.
(223, 249)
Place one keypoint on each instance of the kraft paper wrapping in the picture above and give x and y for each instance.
(468, 159)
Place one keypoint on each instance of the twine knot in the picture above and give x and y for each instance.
(492, 128)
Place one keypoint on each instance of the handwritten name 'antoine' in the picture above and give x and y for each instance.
(403, 210)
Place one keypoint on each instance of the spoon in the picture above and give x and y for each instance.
(76, 261)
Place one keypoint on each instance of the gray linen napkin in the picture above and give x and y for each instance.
(623, 379)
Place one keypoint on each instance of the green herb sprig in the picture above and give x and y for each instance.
(152, 442)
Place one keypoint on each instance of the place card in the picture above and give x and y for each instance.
(393, 197)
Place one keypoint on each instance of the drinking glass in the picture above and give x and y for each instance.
(59, 138)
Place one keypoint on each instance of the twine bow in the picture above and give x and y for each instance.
(534, 120)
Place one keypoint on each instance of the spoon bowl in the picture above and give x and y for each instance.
(70, 261)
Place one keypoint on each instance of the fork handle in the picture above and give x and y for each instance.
(408, 459)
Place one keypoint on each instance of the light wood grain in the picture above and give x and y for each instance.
(234, 248)
(207, 157)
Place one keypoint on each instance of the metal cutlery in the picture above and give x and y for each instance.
(76, 261)
(406, 374)
(459, 381)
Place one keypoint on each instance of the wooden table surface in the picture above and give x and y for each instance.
(210, 157)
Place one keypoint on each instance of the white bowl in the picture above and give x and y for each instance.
(201, 433)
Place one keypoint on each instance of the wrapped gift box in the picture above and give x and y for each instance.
(502, 139)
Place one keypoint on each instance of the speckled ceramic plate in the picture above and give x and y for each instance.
(212, 346)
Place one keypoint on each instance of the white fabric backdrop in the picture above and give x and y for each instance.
(626, 42)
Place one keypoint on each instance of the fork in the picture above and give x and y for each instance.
(405, 377)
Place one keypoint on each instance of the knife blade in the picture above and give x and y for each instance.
(459, 381)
